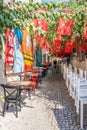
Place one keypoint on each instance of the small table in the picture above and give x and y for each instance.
(25, 85)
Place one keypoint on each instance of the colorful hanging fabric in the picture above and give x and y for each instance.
(19, 34)
(27, 50)
(18, 56)
(64, 26)
(9, 47)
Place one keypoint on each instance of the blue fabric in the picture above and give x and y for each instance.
(18, 57)
(18, 33)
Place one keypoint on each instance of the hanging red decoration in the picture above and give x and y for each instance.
(64, 26)
(57, 49)
(40, 22)
(35, 22)
(68, 26)
(61, 26)
(40, 38)
(57, 42)
(68, 49)
(9, 47)
(46, 46)
(43, 24)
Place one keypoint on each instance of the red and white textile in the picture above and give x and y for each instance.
(9, 47)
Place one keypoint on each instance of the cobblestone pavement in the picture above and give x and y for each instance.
(51, 108)
(59, 105)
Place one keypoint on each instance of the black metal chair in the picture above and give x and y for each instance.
(12, 94)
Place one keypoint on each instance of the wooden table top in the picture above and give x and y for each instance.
(24, 84)
(20, 83)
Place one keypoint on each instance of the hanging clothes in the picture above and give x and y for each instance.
(9, 47)
(19, 34)
(27, 50)
(18, 57)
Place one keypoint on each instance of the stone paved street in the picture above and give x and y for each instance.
(50, 109)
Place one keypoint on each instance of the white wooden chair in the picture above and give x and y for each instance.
(80, 98)
(81, 73)
(65, 71)
(68, 76)
(85, 75)
(75, 70)
(73, 84)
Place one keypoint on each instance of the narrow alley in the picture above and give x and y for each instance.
(51, 108)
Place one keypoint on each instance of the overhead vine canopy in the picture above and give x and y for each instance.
(21, 15)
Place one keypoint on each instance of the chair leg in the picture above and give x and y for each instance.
(77, 106)
(29, 91)
(16, 109)
(20, 99)
(7, 106)
(4, 109)
(81, 115)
